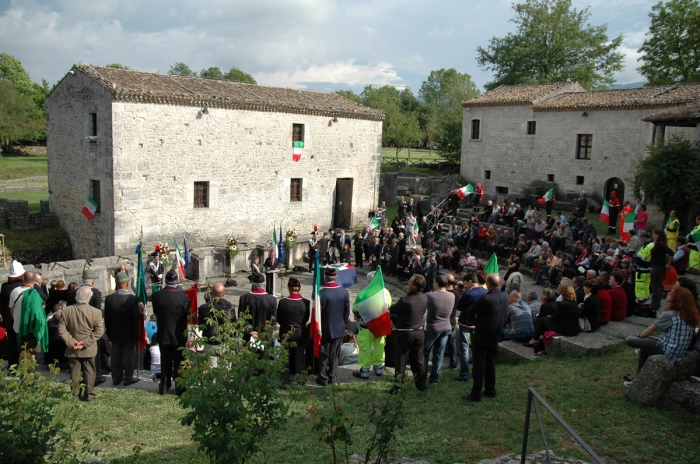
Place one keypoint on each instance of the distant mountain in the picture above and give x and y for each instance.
(631, 85)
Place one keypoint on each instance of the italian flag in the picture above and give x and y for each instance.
(374, 223)
(547, 197)
(180, 260)
(492, 266)
(629, 222)
(275, 243)
(464, 191)
(371, 304)
(297, 150)
(415, 230)
(605, 212)
(90, 208)
(315, 322)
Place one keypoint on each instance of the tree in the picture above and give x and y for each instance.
(350, 95)
(236, 75)
(553, 43)
(181, 69)
(117, 66)
(671, 51)
(20, 118)
(670, 175)
(211, 73)
(399, 129)
(11, 70)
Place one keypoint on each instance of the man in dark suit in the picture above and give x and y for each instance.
(408, 316)
(292, 315)
(123, 317)
(270, 264)
(80, 327)
(487, 315)
(402, 207)
(89, 278)
(171, 306)
(257, 307)
(335, 310)
(41, 288)
(340, 239)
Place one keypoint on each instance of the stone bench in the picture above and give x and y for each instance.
(584, 344)
(659, 373)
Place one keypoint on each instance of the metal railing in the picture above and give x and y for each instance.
(533, 397)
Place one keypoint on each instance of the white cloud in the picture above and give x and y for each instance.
(346, 72)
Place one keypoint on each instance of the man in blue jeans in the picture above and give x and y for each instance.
(437, 325)
(472, 293)
(488, 315)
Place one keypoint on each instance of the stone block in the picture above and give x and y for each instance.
(625, 328)
(684, 396)
(652, 381)
(512, 352)
(584, 344)
(688, 366)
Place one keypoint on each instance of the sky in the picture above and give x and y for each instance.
(320, 45)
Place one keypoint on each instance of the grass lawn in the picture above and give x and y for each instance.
(33, 197)
(18, 167)
(441, 428)
(37, 239)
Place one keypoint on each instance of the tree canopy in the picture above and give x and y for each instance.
(234, 74)
(671, 51)
(20, 117)
(670, 175)
(553, 43)
(181, 69)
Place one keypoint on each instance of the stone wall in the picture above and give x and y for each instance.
(515, 159)
(8, 207)
(149, 156)
(75, 159)
(31, 221)
(416, 185)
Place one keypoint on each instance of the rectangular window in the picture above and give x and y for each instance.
(297, 132)
(550, 177)
(92, 130)
(579, 180)
(95, 194)
(584, 146)
(531, 127)
(295, 190)
(476, 129)
(487, 175)
(502, 190)
(201, 194)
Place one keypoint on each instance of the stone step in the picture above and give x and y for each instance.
(624, 328)
(512, 352)
(584, 344)
(639, 320)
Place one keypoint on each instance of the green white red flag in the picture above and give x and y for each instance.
(180, 260)
(374, 223)
(90, 208)
(546, 197)
(315, 321)
(605, 212)
(629, 222)
(297, 146)
(464, 191)
(371, 304)
(492, 266)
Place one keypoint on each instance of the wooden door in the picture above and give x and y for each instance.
(342, 217)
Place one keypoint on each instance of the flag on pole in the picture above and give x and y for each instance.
(492, 266)
(297, 146)
(546, 197)
(464, 191)
(180, 260)
(605, 212)
(275, 245)
(371, 304)
(188, 257)
(193, 317)
(695, 236)
(315, 322)
(629, 222)
(141, 295)
(280, 248)
(415, 230)
(374, 223)
(90, 208)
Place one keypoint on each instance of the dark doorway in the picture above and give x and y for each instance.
(616, 185)
(342, 217)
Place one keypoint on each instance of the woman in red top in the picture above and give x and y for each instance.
(605, 303)
(618, 297)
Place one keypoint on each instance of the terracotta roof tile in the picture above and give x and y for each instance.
(690, 112)
(140, 86)
(525, 94)
(642, 98)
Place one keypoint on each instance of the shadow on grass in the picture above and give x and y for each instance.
(165, 455)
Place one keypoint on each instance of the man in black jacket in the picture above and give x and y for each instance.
(408, 315)
(210, 323)
(123, 315)
(292, 315)
(171, 306)
(488, 315)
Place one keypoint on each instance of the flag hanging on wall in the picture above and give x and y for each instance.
(90, 208)
(297, 150)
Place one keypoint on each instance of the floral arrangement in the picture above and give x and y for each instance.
(164, 255)
(232, 246)
(290, 239)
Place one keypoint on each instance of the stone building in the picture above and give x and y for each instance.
(203, 158)
(560, 133)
